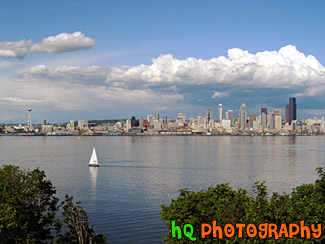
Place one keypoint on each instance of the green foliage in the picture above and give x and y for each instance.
(28, 208)
(77, 225)
(225, 205)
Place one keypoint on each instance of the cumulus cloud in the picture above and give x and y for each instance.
(63, 42)
(284, 68)
(60, 43)
(265, 78)
(14, 49)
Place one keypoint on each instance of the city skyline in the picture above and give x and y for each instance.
(271, 123)
(224, 115)
(119, 59)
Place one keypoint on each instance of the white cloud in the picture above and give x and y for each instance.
(24, 101)
(31, 89)
(63, 42)
(68, 73)
(219, 94)
(90, 72)
(14, 49)
(167, 84)
(284, 68)
(39, 70)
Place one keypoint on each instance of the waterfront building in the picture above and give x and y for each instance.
(47, 128)
(134, 122)
(226, 123)
(157, 116)
(83, 125)
(230, 116)
(270, 120)
(256, 124)
(182, 116)
(201, 121)
(277, 112)
(264, 117)
(157, 125)
(208, 115)
(277, 115)
(242, 115)
(71, 124)
(287, 113)
(150, 120)
(128, 125)
(165, 120)
(220, 112)
(252, 118)
(278, 123)
(293, 109)
(211, 125)
(294, 124)
(141, 122)
(43, 124)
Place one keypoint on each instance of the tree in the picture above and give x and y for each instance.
(27, 206)
(28, 209)
(224, 205)
(76, 223)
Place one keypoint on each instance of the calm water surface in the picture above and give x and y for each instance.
(138, 174)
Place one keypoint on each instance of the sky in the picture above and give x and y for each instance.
(71, 60)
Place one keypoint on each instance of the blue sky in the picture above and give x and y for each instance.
(115, 59)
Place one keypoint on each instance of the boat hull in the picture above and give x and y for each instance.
(93, 165)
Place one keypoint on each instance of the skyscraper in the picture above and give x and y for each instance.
(165, 120)
(293, 109)
(287, 112)
(230, 116)
(220, 112)
(277, 113)
(141, 122)
(252, 118)
(182, 116)
(264, 117)
(208, 115)
(242, 115)
(150, 120)
(134, 122)
(71, 124)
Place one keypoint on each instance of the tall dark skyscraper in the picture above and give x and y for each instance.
(293, 109)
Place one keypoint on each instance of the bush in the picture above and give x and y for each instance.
(225, 205)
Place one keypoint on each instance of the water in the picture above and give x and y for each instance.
(138, 174)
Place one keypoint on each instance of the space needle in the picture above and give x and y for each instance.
(29, 123)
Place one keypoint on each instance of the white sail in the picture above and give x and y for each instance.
(93, 159)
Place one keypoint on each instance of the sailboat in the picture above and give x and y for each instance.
(93, 162)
